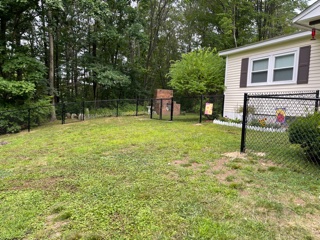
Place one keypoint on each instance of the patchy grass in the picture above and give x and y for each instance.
(136, 178)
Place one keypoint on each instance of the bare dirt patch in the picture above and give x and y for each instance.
(226, 168)
(233, 155)
(220, 170)
(180, 162)
(43, 184)
(3, 143)
(219, 164)
(268, 164)
(186, 163)
(312, 222)
(53, 228)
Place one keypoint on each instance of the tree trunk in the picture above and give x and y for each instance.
(57, 71)
(94, 74)
(51, 67)
(3, 27)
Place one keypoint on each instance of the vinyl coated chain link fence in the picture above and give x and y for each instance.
(285, 127)
(195, 109)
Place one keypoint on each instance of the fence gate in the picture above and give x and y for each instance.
(283, 126)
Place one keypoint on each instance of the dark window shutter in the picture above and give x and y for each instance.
(244, 72)
(304, 63)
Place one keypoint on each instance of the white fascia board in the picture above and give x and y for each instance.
(309, 10)
(265, 43)
(312, 13)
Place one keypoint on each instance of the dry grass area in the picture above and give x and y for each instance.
(287, 211)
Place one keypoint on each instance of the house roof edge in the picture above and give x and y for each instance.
(264, 43)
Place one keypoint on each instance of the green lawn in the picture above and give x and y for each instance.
(136, 178)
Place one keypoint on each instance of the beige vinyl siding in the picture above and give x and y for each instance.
(234, 94)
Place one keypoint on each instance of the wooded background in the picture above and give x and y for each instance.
(66, 50)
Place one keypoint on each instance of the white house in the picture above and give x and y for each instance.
(287, 63)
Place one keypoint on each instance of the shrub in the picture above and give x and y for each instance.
(12, 121)
(306, 132)
(15, 119)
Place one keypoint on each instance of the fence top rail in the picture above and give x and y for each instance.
(287, 94)
(291, 98)
(284, 93)
(140, 99)
(109, 100)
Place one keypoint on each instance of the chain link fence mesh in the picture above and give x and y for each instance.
(285, 127)
(191, 109)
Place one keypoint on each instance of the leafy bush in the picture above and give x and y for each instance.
(226, 119)
(15, 119)
(127, 109)
(255, 123)
(198, 72)
(102, 112)
(306, 132)
(12, 121)
(71, 107)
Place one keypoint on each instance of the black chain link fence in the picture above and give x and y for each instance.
(15, 120)
(193, 109)
(103, 108)
(285, 127)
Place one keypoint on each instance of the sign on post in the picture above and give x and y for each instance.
(209, 109)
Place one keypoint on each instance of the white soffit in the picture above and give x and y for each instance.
(309, 18)
(265, 43)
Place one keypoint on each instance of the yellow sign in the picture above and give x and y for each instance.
(280, 115)
(209, 109)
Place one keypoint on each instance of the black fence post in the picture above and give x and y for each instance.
(171, 112)
(117, 107)
(63, 113)
(137, 106)
(151, 108)
(82, 109)
(244, 123)
(29, 120)
(200, 112)
(222, 110)
(317, 101)
(160, 115)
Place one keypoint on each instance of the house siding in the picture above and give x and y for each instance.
(234, 94)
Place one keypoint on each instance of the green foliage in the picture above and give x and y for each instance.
(137, 40)
(102, 112)
(10, 121)
(306, 132)
(225, 119)
(31, 69)
(198, 72)
(14, 89)
(15, 119)
(110, 77)
(24, 80)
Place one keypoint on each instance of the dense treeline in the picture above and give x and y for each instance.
(64, 50)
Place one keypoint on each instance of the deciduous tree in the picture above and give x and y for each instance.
(198, 72)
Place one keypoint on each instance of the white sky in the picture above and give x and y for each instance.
(312, 1)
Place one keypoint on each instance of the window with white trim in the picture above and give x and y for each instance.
(277, 68)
